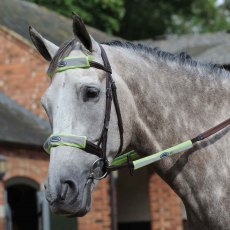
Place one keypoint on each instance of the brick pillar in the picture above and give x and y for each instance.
(2, 207)
(99, 217)
(165, 206)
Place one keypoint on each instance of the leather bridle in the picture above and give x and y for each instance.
(111, 95)
(98, 149)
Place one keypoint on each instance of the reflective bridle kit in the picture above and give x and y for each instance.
(131, 159)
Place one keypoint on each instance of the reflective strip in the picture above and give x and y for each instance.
(73, 63)
(123, 158)
(162, 154)
(62, 139)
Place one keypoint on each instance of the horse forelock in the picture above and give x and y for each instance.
(63, 51)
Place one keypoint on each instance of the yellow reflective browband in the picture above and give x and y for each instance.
(73, 62)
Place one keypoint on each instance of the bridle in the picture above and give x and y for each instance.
(81, 142)
(131, 159)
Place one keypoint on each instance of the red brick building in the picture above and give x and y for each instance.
(144, 201)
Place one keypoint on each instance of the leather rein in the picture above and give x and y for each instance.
(131, 159)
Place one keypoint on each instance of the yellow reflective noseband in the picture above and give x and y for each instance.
(61, 139)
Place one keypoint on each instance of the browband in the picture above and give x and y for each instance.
(73, 63)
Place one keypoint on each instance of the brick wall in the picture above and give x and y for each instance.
(2, 219)
(25, 163)
(22, 72)
(165, 205)
(22, 78)
(99, 217)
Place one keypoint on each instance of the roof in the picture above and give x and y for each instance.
(19, 126)
(214, 48)
(204, 47)
(17, 15)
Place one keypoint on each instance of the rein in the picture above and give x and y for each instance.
(131, 159)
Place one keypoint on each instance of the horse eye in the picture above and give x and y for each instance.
(91, 93)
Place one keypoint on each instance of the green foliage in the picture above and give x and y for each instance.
(148, 18)
(102, 14)
(139, 19)
(204, 16)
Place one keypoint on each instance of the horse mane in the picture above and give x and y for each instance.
(181, 58)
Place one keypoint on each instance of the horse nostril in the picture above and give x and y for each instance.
(69, 188)
(64, 191)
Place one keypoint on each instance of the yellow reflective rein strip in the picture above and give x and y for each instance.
(123, 158)
(162, 154)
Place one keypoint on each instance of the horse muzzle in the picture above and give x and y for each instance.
(67, 200)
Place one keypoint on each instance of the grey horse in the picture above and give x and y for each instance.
(164, 99)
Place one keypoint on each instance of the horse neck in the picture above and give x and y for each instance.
(175, 102)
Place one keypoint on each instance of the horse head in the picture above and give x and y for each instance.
(77, 103)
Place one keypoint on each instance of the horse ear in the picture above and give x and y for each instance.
(46, 48)
(81, 32)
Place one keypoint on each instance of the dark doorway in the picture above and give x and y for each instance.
(23, 204)
(134, 226)
(133, 200)
(61, 222)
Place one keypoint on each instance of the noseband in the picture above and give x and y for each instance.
(98, 149)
